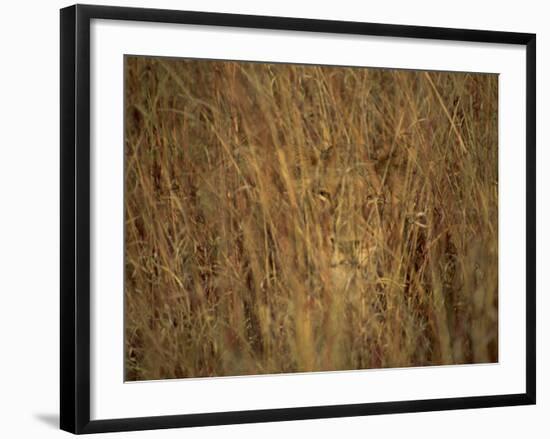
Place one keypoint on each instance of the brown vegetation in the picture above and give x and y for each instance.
(287, 218)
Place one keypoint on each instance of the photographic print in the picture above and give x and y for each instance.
(284, 218)
(267, 219)
(292, 219)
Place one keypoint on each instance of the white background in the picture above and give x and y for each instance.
(29, 248)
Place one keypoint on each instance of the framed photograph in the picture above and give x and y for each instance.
(268, 218)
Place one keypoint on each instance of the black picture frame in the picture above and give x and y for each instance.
(75, 217)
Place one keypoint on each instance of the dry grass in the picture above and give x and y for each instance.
(285, 218)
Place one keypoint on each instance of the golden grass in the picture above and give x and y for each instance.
(287, 218)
